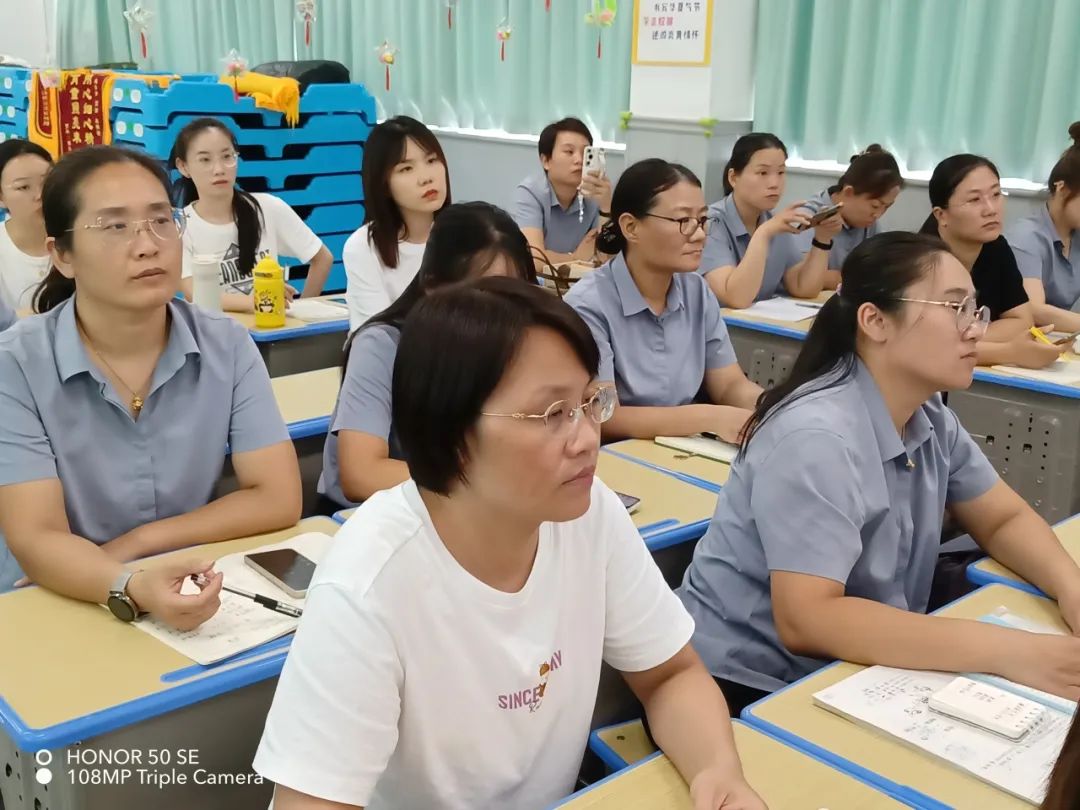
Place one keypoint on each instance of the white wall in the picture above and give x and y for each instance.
(22, 29)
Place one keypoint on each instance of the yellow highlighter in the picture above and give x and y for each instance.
(1039, 336)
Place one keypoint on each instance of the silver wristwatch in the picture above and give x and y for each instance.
(120, 604)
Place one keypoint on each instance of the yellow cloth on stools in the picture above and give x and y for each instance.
(270, 92)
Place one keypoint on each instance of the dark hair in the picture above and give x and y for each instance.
(550, 133)
(743, 152)
(946, 177)
(465, 239)
(1063, 792)
(385, 149)
(247, 214)
(877, 272)
(455, 348)
(61, 202)
(635, 193)
(9, 150)
(873, 171)
(1066, 170)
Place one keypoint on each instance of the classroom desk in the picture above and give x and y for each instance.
(902, 772)
(1029, 430)
(786, 779)
(298, 345)
(988, 570)
(698, 470)
(75, 681)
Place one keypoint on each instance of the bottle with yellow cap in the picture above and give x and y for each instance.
(269, 294)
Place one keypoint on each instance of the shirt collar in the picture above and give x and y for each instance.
(72, 358)
(916, 431)
(1047, 226)
(630, 296)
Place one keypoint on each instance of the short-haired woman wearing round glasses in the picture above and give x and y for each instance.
(826, 536)
(662, 340)
(451, 645)
(118, 402)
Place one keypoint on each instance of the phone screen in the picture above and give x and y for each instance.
(290, 568)
(629, 501)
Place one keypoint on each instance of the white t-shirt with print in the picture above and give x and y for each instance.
(283, 234)
(20, 274)
(412, 684)
(371, 285)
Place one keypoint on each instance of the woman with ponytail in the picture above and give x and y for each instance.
(867, 190)
(968, 211)
(662, 341)
(1047, 245)
(826, 535)
(230, 225)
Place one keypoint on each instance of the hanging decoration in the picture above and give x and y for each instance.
(234, 65)
(387, 55)
(450, 6)
(547, 5)
(503, 33)
(138, 20)
(602, 16)
(305, 11)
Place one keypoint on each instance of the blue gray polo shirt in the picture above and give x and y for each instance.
(1039, 254)
(61, 418)
(364, 402)
(652, 359)
(729, 239)
(7, 315)
(826, 489)
(536, 206)
(848, 239)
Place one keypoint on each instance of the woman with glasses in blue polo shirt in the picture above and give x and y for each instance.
(662, 341)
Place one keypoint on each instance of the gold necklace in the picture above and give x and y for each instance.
(136, 400)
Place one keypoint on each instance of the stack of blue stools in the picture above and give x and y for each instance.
(14, 102)
(314, 166)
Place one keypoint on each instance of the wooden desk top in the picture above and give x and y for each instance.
(792, 710)
(707, 469)
(63, 660)
(785, 778)
(247, 319)
(1068, 532)
(308, 395)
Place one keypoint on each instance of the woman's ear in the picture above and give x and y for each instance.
(872, 322)
(181, 166)
(59, 257)
(941, 215)
(630, 227)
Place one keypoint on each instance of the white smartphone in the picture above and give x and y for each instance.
(594, 161)
(288, 569)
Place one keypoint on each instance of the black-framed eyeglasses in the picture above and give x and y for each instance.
(165, 227)
(968, 313)
(561, 415)
(688, 225)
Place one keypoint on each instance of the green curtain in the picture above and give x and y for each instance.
(449, 77)
(925, 78)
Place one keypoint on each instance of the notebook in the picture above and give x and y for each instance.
(311, 310)
(985, 706)
(784, 309)
(715, 449)
(240, 624)
(1060, 372)
(896, 702)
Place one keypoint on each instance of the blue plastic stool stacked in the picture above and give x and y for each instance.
(14, 102)
(314, 166)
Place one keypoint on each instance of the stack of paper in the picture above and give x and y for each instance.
(311, 310)
(1061, 372)
(701, 446)
(784, 309)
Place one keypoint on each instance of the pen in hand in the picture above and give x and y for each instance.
(265, 601)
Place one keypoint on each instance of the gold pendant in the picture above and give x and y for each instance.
(136, 404)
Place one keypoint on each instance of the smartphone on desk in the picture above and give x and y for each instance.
(290, 570)
(629, 501)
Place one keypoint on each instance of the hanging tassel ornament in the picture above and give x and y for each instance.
(450, 4)
(138, 19)
(305, 11)
(503, 33)
(547, 5)
(602, 16)
(387, 55)
(235, 66)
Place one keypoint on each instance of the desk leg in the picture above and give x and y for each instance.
(223, 734)
(1032, 439)
(765, 358)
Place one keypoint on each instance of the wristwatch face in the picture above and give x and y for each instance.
(121, 607)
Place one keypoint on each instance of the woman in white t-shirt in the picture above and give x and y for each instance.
(24, 259)
(450, 650)
(405, 185)
(232, 227)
